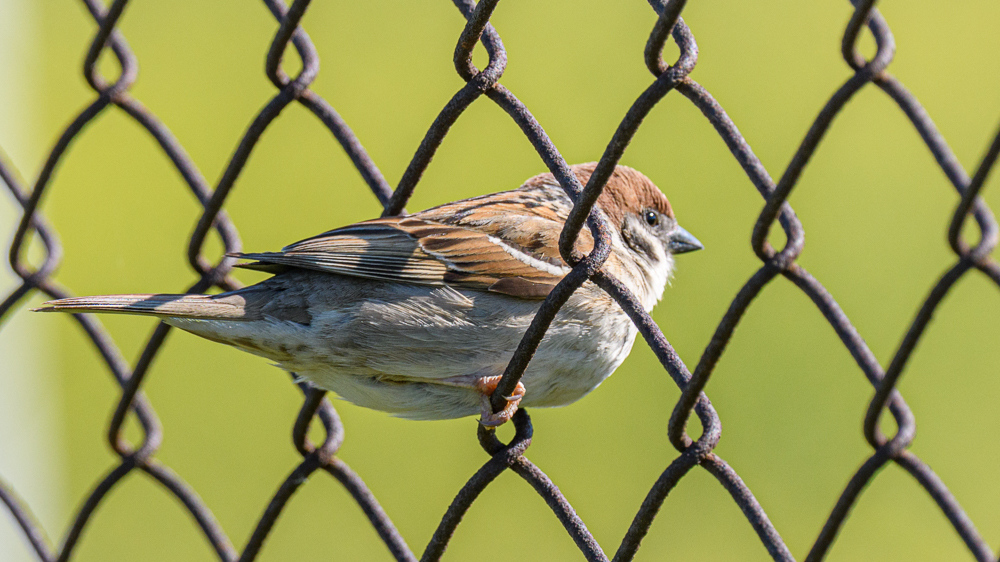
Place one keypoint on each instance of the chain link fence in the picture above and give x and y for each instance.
(693, 451)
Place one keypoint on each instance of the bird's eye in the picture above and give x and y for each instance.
(652, 217)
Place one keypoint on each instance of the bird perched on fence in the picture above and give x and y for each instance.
(419, 315)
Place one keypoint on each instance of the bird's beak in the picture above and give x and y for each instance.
(682, 241)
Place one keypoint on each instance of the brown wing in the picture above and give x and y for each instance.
(460, 244)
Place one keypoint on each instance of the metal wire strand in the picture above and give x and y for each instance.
(693, 452)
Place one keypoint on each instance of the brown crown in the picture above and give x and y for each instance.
(628, 191)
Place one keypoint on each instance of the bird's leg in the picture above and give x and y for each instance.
(487, 386)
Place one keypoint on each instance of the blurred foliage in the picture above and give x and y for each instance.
(874, 205)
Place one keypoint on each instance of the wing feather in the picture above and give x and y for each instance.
(460, 244)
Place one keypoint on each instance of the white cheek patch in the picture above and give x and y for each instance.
(649, 241)
(655, 268)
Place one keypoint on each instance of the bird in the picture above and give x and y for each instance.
(419, 315)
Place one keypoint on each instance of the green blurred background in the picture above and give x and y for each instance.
(874, 205)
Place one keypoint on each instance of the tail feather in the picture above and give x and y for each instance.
(230, 307)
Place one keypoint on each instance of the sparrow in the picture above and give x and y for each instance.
(419, 315)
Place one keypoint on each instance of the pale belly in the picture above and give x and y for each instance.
(401, 349)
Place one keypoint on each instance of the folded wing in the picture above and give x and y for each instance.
(425, 249)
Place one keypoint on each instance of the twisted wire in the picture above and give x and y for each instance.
(697, 451)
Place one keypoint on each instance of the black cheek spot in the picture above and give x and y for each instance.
(637, 242)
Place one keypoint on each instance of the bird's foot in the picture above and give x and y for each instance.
(488, 418)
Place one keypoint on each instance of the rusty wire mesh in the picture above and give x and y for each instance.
(692, 451)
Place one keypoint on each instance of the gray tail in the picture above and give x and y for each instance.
(230, 307)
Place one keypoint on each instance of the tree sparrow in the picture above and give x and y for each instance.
(419, 315)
